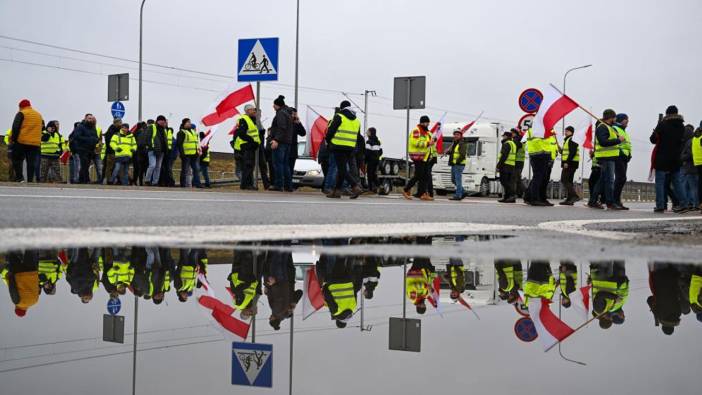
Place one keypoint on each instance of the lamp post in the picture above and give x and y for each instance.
(565, 79)
(297, 48)
(141, 34)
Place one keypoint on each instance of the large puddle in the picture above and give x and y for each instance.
(360, 322)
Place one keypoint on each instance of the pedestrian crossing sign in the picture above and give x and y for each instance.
(258, 59)
(252, 364)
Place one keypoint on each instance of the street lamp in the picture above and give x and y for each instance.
(297, 47)
(582, 168)
(141, 33)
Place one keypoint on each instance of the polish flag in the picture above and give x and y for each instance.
(437, 133)
(313, 299)
(62, 257)
(550, 328)
(317, 125)
(435, 297)
(581, 301)
(470, 124)
(468, 306)
(228, 107)
(553, 108)
(222, 313)
(64, 157)
(208, 136)
(583, 131)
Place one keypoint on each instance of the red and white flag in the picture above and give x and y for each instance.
(229, 106)
(581, 301)
(313, 299)
(222, 313)
(437, 133)
(62, 257)
(583, 131)
(550, 328)
(317, 125)
(468, 306)
(553, 108)
(435, 297)
(470, 124)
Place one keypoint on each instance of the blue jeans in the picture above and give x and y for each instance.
(457, 178)
(205, 170)
(662, 179)
(154, 170)
(690, 187)
(605, 184)
(189, 165)
(122, 170)
(281, 163)
(330, 178)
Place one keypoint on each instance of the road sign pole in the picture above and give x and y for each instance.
(297, 49)
(409, 98)
(362, 302)
(365, 111)
(292, 331)
(404, 303)
(134, 347)
(258, 121)
(255, 301)
(141, 35)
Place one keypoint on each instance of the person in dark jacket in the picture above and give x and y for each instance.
(82, 273)
(357, 162)
(298, 131)
(188, 145)
(373, 153)
(84, 140)
(53, 147)
(457, 160)
(603, 134)
(505, 166)
(265, 156)
(109, 162)
(519, 166)
(247, 147)
(281, 138)
(668, 138)
(338, 287)
(667, 299)
(157, 148)
(342, 153)
(141, 156)
(279, 286)
(690, 178)
(569, 165)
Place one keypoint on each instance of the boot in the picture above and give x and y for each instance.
(335, 194)
(426, 198)
(406, 195)
(356, 192)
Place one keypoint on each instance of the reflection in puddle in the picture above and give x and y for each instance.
(270, 283)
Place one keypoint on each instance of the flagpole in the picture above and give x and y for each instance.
(588, 112)
(560, 352)
(577, 329)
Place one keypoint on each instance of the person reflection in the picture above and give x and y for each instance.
(162, 266)
(540, 281)
(509, 279)
(186, 273)
(245, 281)
(694, 285)
(369, 274)
(338, 287)
(82, 273)
(279, 286)
(50, 271)
(419, 279)
(568, 280)
(21, 273)
(610, 291)
(670, 294)
(140, 282)
(119, 269)
(455, 277)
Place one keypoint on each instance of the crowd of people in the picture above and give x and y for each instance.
(350, 158)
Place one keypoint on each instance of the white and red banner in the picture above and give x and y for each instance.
(550, 328)
(437, 133)
(317, 125)
(470, 124)
(583, 131)
(435, 297)
(222, 314)
(554, 107)
(581, 301)
(468, 306)
(313, 299)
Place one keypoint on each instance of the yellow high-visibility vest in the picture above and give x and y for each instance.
(251, 131)
(343, 296)
(347, 133)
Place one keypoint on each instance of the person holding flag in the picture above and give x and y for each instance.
(457, 160)
(622, 162)
(50, 271)
(540, 282)
(610, 291)
(509, 279)
(519, 163)
(419, 281)
(606, 152)
(570, 160)
(420, 142)
(455, 277)
(568, 278)
(244, 283)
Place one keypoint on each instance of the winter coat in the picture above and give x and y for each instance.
(298, 130)
(84, 138)
(373, 149)
(334, 126)
(668, 137)
(282, 126)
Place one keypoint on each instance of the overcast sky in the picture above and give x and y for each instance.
(477, 55)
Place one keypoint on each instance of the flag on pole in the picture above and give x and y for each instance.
(470, 124)
(437, 133)
(65, 156)
(313, 299)
(468, 306)
(554, 107)
(317, 125)
(435, 297)
(222, 313)
(228, 107)
(581, 301)
(550, 328)
(62, 257)
(583, 131)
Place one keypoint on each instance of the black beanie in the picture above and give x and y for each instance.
(424, 119)
(570, 129)
(609, 114)
(344, 104)
(671, 110)
(160, 118)
(280, 101)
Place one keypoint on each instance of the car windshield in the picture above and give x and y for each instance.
(301, 148)
(472, 148)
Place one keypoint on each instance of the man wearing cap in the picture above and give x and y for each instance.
(505, 166)
(457, 160)
(622, 162)
(420, 142)
(519, 162)
(25, 140)
(158, 145)
(342, 138)
(247, 140)
(570, 160)
(606, 152)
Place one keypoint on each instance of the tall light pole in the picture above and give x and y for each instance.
(297, 47)
(141, 34)
(582, 167)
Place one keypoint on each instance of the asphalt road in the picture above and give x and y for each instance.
(39, 206)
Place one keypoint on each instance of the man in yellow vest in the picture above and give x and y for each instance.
(622, 162)
(124, 147)
(52, 146)
(25, 141)
(420, 142)
(540, 282)
(539, 158)
(505, 166)
(419, 282)
(342, 138)
(338, 288)
(606, 152)
(570, 160)
(120, 272)
(50, 271)
(688, 172)
(205, 161)
(610, 291)
(457, 160)
(455, 277)
(245, 284)
(188, 143)
(246, 141)
(509, 279)
(519, 162)
(186, 274)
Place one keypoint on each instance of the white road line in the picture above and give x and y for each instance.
(578, 226)
(18, 238)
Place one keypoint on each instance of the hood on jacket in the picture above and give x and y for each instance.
(673, 118)
(348, 113)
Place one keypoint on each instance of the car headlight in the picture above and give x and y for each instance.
(313, 173)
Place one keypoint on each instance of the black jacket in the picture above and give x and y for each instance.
(241, 132)
(668, 137)
(573, 148)
(111, 131)
(84, 138)
(282, 126)
(504, 153)
(373, 149)
(334, 126)
(158, 144)
(298, 130)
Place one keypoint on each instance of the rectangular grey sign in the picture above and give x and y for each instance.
(405, 334)
(414, 87)
(118, 87)
(113, 328)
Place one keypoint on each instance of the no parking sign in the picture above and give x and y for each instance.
(530, 100)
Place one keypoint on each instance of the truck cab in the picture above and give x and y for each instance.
(479, 176)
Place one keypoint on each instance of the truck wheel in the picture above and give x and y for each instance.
(386, 168)
(395, 169)
(441, 192)
(385, 188)
(484, 187)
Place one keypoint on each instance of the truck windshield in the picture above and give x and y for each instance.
(472, 148)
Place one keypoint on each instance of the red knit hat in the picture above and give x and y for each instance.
(20, 312)
(24, 103)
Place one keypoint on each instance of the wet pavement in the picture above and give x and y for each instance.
(485, 319)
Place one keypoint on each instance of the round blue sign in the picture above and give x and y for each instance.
(530, 100)
(117, 109)
(525, 330)
(114, 306)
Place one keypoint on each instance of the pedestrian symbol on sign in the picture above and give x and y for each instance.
(252, 364)
(253, 66)
(258, 59)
